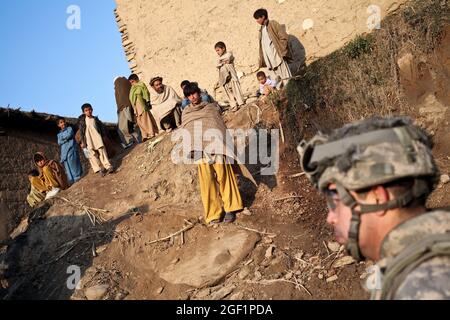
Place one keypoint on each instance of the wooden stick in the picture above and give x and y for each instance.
(173, 235)
(297, 175)
(286, 198)
(254, 230)
(80, 205)
(282, 132)
(268, 282)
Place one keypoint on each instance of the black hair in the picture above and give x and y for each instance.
(58, 119)
(38, 157)
(133, 77)
(220, 45)
(33, 173)
(191, 88)
(184, 82)
(260, 74)
(86, 106)
(261, 13)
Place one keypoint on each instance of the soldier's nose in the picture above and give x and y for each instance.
(331, 217)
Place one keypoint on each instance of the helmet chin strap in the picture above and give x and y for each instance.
(418, 189)
(353, 232)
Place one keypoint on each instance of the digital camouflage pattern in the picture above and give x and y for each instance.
(380, 163)
(431, 278)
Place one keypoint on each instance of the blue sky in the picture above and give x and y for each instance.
(49, 68)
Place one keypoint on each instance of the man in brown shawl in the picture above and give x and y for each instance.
(140, 100)
(218, 184)
(165, 105)
(122, 89)
(274, 49)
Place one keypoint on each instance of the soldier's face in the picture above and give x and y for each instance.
(339, 215)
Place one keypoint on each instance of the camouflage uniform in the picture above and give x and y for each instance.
(430, 280)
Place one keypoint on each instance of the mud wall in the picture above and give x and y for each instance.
(175, 39)
(17, 148)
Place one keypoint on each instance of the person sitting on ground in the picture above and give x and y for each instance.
(69, 151)
(266, 85)
(204, 94)
(92, 131)
(38, 188)
(48, 180)
(165, 105)
(140, 100)
(218, 183)
(228, 77)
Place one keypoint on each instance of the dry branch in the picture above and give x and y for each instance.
(269, 282)
(286, 198)
(254, 230)
(190, 226)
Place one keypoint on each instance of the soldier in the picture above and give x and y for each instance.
(376, 175)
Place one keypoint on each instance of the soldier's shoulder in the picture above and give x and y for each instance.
(429, 281)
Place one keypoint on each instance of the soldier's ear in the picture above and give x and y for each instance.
(382, 196)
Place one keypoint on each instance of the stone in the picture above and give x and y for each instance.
(246, 212)
(120, 296)
(320, 276)
(245, 271)
(333, 246)
(445, 178)
(269, 252)
(96, 292)
(332, 278)
(346, 260)
(210, 261)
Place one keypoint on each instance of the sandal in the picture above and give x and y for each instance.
(214, 222)
(229, 217)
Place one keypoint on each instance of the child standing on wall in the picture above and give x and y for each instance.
(228, 78)
(92, 131)
(69, 151)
